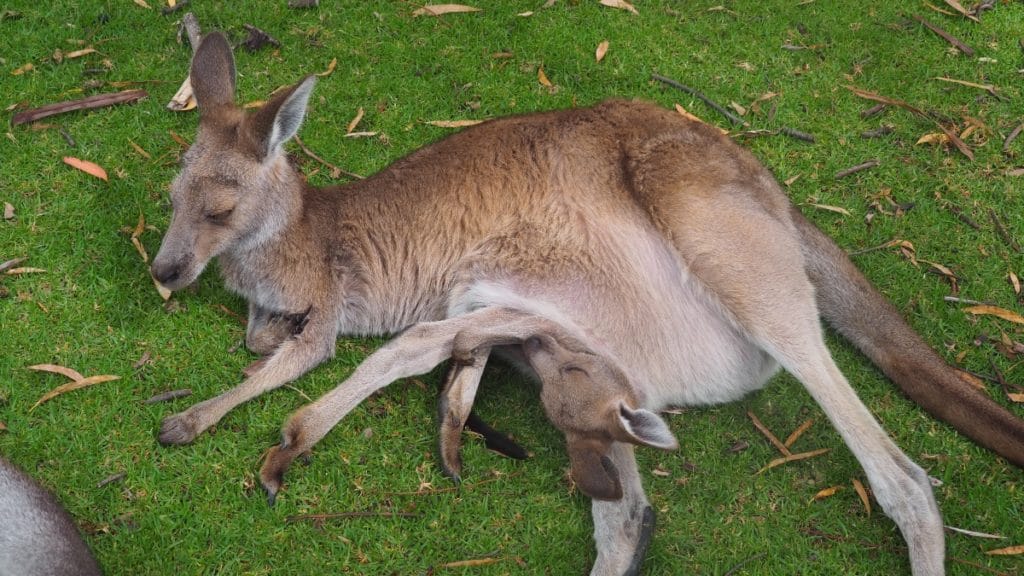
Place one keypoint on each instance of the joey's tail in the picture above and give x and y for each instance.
(855, 308)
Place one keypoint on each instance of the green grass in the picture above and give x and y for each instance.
(198, 509)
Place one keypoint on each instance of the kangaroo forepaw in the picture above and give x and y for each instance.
(647, 523)
(178, 429)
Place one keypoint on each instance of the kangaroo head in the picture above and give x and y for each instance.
(589, 399)
(235, 189)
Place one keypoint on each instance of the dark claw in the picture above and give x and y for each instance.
(495, 440)
(643, 541)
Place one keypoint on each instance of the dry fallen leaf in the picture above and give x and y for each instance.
(330, 68)
(441, 9)
(140, 150)
(162, 290)
(143, 4)
(85, 166)
(139, 229)
(3, 427)
(1010, 551)
(25, 270)
(355, 121)
(963, 11)
(361, 134)
(453, 123)
(80, 53)
(77, 381)
(836, 209)
(985, 309)
(21, 70)
(9, 213)
(863, 493)
(470, 563)
(602, 49)
(1014, 280)
(934, 138)
(620, 4)
(543, 78)
(793, 458)
(56, 369)
(826, 492)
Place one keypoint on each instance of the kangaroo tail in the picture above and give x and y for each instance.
(866, 318)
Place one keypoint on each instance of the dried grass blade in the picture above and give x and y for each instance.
(768, 434)
(793, 458)
(863, 493)
(56, 369)
(986, 310)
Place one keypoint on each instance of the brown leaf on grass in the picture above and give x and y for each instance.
(825, 493)
(470, 563)
(768, 434)
(863, 493)
(836, 209)
(142, 3)
(162, 290)
(934, 138)
(986, 87)
(1009, 551)
(963, 11)
(22, 69)
(9, 212)
(56, 369)
(971, 379)
(453, 123)
(442, 9)
(868, 95)
(543, 78)
(1003, 313)
(75, 384)
(140, 151)
(620, 4)
(793, 458)
(80, 53)
(602, 49)
(3, 427)
(140, 227)
(330, 69)
(686, 114)
(89, 168)
(1015, 282)
(355, 121)
(796, 434)
(25, 270)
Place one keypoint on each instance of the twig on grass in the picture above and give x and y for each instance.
(700, 96)
(94, 101)
(1013, 136)
(854, 169)
(169, 395)
(768, 434)
(318, 518)
(959, 213)
(967, 50)
(1001, 230)
(793, 133)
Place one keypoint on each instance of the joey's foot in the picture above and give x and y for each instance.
(178, 429)
(496, 440)
(647, 523)
(279, 459)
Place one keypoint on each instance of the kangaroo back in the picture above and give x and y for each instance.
(851, 305)
(37, 536)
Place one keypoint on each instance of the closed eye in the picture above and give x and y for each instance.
(569, 369)
(219, 217)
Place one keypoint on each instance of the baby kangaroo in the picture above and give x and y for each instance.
(596, 243)
(37, 536)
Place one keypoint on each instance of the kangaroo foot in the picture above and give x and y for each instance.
(178, 429)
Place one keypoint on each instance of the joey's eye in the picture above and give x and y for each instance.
(218, 217)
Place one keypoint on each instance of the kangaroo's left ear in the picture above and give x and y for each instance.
(280, 119)
(645, 428)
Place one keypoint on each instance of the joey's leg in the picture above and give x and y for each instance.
(266, 330)
(622, 528)
(455, 404)
(773, 301)
(415, 351)
(293, 358)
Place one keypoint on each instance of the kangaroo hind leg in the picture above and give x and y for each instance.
(751, 262)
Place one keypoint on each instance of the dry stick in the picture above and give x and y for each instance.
(1001, 230)
(854, 169)
(697, 94)
(746, 561)
(325, 162)
(797, 134)
(798, 432)
(1013, 136)
(959, 213)
(94, 101)
(872, 111)
(877, 132)
(169, 395)
(768, 434)
(346, 515)
(946, 36)
(112, 478)
(4, 267)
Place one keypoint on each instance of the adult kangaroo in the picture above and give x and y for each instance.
(631, 258)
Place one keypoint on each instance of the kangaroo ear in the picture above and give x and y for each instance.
(645, 428)
(280, 119)
(213, 73)
(594, 473)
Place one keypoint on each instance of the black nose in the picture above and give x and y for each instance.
(165, 274)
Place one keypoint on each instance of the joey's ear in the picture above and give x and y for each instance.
(280, 119)
(594, 473)
(213, 73)
(645, 428)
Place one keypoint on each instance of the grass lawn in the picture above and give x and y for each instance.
(786, 64)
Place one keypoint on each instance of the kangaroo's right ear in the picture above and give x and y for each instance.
(213, 73)
(280, 119)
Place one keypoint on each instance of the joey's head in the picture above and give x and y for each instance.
(235, 189)
(589, 399)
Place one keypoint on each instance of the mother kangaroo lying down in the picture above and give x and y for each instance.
(632, 258)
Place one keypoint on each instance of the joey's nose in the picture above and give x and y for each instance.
(164, 273)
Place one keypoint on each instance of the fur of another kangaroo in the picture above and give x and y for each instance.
(630, 258)
(37, 536)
